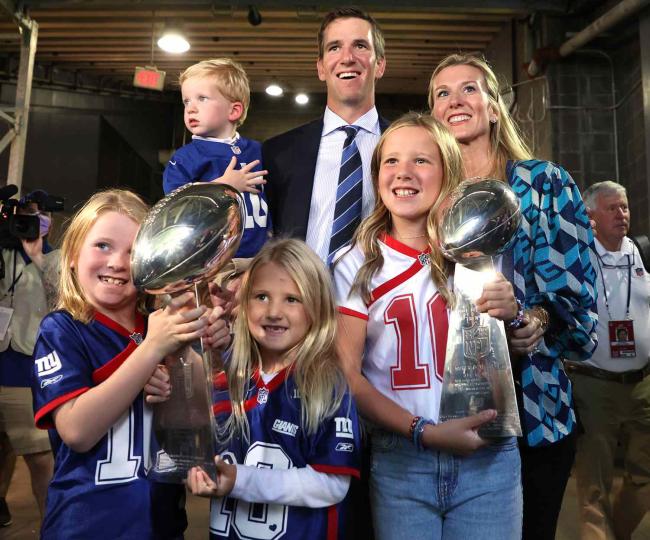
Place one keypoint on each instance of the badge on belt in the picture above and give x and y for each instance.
(621, 339)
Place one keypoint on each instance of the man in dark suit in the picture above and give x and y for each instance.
(303, 164)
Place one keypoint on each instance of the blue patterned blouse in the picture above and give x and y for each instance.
(552, 265)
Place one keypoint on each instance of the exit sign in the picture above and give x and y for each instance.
(149, 77)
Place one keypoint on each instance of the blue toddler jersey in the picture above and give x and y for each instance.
(104, 492)
(203, 160)
(278, 440)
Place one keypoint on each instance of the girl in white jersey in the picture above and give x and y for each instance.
(432, 480)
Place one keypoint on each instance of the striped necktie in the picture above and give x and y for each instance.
(347, 211)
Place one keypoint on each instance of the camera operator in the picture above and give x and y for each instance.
(28, 292)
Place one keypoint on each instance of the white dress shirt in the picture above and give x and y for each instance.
(326, 178)
(616, 283)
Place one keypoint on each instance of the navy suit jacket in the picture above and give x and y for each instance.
(290, 159)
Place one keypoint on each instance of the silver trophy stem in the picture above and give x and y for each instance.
(478, 374)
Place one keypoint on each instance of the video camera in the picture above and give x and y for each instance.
(15, 226)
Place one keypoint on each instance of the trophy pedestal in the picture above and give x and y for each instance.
(184, 425)
(478, 375)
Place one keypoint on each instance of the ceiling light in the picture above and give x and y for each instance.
(302, 99)
(172, 40)
(254, 16)
(274, 90)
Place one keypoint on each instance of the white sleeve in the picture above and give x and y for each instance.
(345, 271)
(293, 487)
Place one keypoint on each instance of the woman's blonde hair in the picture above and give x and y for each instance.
(506, 140)
(71, 295)
(379, 221)
(313, 360)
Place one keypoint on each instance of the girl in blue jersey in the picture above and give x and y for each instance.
(292, 425)
(92, 360)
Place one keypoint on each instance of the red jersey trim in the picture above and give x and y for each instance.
(110, 367)
(398, 246)
(335, 469)
(332, 523)
(251, 402)
(388, 286)
(117, 327)
(42, 418)
(352, 313)
(219, 381)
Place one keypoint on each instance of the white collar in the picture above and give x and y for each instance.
(228, 140)
(627, 248)
(369, 121)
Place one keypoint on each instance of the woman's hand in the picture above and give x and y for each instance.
(242, 179)
(498, 299)
(176, 324)
(525, 339)
(199, 483)
(458, 436)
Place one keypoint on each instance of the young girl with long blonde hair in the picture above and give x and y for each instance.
(294, 437)
(434, 480)
(93, 357)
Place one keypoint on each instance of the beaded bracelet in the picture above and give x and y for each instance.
(518, 321)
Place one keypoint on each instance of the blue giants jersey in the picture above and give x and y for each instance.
(203, 160)
(101, 493)
(278, 440)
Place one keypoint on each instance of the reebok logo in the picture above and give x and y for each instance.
(51, 380)
(344, 447)
(344, 427)
(282, 426)
(48, 364)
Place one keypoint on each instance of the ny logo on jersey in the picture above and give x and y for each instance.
(343, 427)
(48, 364)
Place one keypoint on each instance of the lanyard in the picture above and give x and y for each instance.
(629, 285)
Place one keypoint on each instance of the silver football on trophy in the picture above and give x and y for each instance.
(478, 220)
(187, 237)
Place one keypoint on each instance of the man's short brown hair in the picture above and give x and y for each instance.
(351, 13)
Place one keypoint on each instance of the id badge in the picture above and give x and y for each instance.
(621, 339)
(5, 318)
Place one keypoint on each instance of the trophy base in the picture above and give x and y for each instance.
(184, 448)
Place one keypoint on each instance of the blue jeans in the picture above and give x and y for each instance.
(435, 495)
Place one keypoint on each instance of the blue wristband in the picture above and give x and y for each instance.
(418, 431)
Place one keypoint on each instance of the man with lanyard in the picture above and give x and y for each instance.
(610, 389)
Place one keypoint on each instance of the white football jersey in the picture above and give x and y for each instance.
(407, 327)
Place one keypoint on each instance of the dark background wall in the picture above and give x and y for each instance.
(587, 113)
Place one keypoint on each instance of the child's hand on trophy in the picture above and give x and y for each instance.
(158, 387)
(498, 299)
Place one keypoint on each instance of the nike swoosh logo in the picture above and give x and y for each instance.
(172, 162)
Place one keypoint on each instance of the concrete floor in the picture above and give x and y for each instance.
(25, 514)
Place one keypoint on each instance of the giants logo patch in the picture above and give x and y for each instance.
(282, 426)
(48, 364)
(344, 427)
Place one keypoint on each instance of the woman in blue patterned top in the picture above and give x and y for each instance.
(550, 267)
